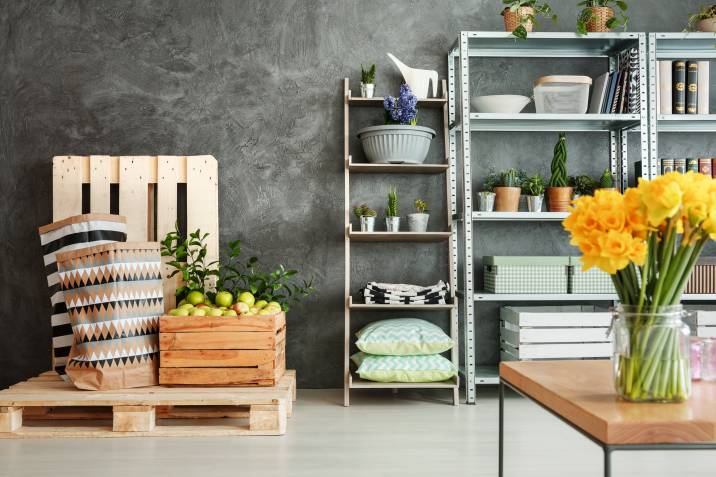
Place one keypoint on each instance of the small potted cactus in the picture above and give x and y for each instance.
(582, 185)
(367, 81)
(507, 194)
(559, 193)
(486, 196)
(392, 219)
(418, 222)
(606, 181)
(366, 215)
(534, 189)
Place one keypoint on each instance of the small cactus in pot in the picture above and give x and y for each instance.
(559, 193)
(486, 196)
(534, 187)
(606, 181)
(507, 194)
(418, 221)
(366, 215)
(392, 219)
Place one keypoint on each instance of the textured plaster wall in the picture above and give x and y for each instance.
(256, 83)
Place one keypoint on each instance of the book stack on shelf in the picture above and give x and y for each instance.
(704, 165)
(683, 87)
(617, 92)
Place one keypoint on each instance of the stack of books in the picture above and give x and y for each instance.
(704, 165)
(618, 92)
(683, 87)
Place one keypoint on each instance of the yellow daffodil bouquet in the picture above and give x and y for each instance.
(648, 239)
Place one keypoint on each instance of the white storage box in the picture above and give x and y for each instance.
(562, 94)
(702, 320)
(554, 332)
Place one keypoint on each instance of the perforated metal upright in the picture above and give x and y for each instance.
(464, 123)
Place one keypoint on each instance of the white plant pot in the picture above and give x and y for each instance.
(396, 143)
(418, 222)
(367, 90)
(485, 201)
(392, 224)
(367, 224)
(534, 203)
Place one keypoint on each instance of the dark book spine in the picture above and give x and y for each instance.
(679, 79)
(692, 164)
(692, 87)
(680, 166)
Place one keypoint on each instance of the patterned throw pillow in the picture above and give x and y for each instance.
(404, 369)
(403, 337)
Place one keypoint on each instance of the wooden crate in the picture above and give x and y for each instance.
(222, 350)
(140, 411)
(554, 332)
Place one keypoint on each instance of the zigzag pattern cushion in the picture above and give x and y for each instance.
(114, 298)
(404, 369)
(70, 234)
(403, 337)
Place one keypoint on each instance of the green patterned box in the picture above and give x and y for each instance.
(592, 281)
(526, 274)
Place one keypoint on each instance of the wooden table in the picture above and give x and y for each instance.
(581, 394)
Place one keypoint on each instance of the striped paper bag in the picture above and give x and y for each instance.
(70, 234)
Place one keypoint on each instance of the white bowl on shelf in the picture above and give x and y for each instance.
(500, 103)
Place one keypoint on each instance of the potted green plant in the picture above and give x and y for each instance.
(418, 221)
(533, 187)
(366, 215)
(600, 16)
(367, 81)
(507, 194)
(703, 20)
(486, 196)
(521, 15)
(559, 193)
(583, 185)
(606, 181)
(392, 219)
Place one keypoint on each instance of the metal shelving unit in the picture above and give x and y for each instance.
(548, 45)
(449, 237)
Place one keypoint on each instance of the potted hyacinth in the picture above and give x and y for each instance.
(400, 139)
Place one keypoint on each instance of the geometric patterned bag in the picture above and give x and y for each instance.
(114, 298)
(70, 234)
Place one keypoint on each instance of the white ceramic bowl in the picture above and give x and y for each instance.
(500, 103)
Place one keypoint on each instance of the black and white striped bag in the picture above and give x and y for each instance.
(70, 234)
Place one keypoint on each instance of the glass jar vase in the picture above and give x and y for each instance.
(651, 359)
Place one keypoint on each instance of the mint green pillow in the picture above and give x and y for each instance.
(404, 369)
(403, 337)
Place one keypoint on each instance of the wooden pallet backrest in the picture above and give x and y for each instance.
(147, 195)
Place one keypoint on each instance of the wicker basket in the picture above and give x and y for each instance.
(512, 19)
(600, 17)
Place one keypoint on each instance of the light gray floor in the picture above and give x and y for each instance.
(379, 435)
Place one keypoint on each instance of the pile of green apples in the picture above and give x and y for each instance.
(198, 304)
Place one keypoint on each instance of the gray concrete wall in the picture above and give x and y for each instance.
(256, 83)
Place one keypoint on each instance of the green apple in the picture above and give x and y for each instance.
(274, 304)
(253, 311)
(183, 302)
(224, 298)
(195, 297)
(260, 304)
(267, 311)
(207, 301)
(215, 312)
(240, 307)
(247, 298)
(229, 313)
(199, 312)
(172, 312)
(186, 306)
(181, 312)
(202, 305)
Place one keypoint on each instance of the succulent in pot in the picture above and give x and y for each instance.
(606, 181)
(392, 219)
(366, 215)
(534, 187)
(559, 193)
(367, 81)
(703, 20)
(418, 221)
(400, 139)
(486, 196)
(582, 185)
(521, 15)
(600, 16)
(507, 194)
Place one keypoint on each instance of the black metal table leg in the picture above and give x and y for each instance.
(502, 429)
(607, 461)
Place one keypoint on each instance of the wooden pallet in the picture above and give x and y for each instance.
(135, 412)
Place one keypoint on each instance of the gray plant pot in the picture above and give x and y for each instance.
(367, 224)
(485, 201)
(396, 144)
(392, 224)
(534, 203)
(418, 222)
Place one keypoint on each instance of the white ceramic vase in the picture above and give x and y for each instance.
(367, 90)
(418, 80)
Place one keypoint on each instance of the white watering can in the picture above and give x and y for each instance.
(418, 80)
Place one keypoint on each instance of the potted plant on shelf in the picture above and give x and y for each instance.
(418, 222)
(559, 194)
(367, 82)
(534, 188)
(366, 215)
(606, 181)
(486, 197)
(400, 139)
(599, 16)
(521, 15)
(703, 20)
(392, 219)
(583, 185)
(507, 194)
